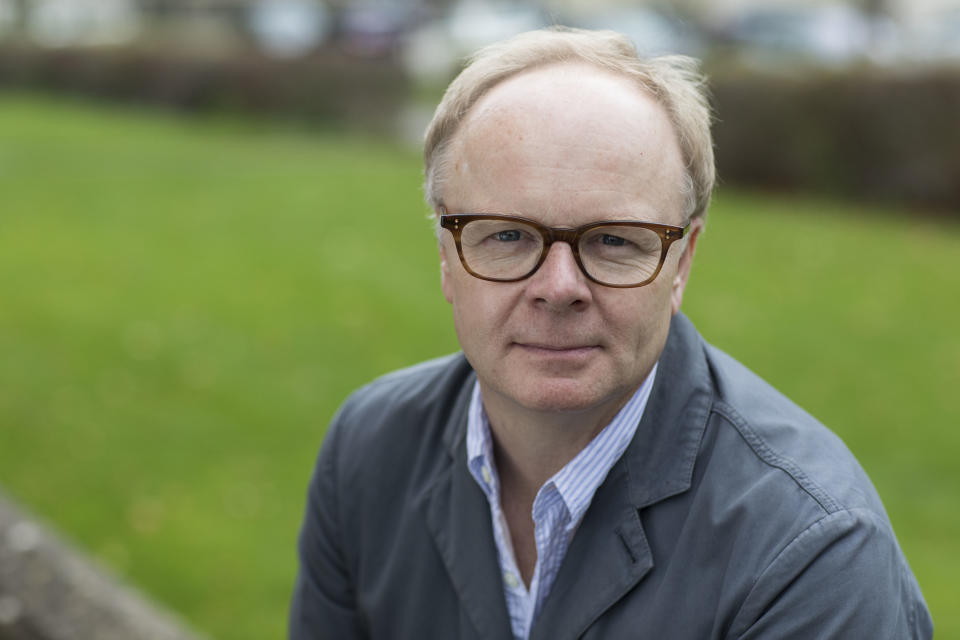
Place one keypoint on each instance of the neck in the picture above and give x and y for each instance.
(531, 446)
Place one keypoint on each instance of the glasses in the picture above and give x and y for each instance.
(614, 253)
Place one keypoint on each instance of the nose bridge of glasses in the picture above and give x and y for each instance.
(571, 261)
(561, 234)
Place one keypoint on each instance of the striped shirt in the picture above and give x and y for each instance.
(558, 507)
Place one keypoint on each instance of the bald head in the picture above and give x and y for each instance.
(531, 133)
(673, 82)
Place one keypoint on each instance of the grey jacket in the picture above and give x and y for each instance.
(732, 514)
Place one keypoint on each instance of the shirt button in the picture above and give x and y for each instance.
(485, 472)
(510, 579)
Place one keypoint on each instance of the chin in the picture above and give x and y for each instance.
(560, 396)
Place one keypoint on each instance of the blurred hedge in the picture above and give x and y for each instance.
(869, 134)
(866, 134)
(329, 87)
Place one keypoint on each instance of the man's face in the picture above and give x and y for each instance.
(565, 145)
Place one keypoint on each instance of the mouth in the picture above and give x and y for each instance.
(546, 348)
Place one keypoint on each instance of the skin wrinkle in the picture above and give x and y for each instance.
(553, 180)
(600, 181)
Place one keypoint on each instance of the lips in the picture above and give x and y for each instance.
(557, 347)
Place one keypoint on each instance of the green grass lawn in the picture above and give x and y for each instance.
(185, 302)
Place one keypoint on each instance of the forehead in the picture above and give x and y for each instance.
(566, 144)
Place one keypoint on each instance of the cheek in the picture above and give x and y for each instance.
(446, 277)
(486, 315)
(475, 313)
(643, 320)
(480, 327)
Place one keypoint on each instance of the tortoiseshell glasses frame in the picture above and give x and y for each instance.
(668, 234)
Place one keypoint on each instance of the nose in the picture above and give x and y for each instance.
(558, 283)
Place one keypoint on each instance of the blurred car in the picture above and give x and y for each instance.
(8, 17)
(435, 49)
(63, 23)
(374, 30)
(936, 38)
(653, 32)
(474, 23)
(827, 34)
(288, 28)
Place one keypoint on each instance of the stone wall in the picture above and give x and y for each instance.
(49, 591)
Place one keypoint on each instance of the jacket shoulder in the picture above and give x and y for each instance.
(422, 388)
(788, 441)
(806, 521)
(399, 418)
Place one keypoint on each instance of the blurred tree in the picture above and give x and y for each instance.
(20, 16)
(876, 8)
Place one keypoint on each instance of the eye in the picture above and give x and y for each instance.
(613, 241)
(509, 235)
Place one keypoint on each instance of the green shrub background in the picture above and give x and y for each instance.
(876, 134)
(184, 302)
(327, 87)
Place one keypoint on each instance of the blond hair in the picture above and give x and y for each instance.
(674, 81)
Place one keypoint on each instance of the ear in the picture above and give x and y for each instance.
(684, 265)
(446, 280)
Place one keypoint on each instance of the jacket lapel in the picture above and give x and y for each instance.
(607, 557)
(458, 518)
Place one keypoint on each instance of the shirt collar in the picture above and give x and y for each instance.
(580, 478)
(480, 447)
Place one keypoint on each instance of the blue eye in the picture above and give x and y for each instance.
(613, 241)
(511, 235)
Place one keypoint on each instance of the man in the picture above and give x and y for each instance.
(588, 467)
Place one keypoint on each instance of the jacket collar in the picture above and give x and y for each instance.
(659, 461)
(455, 431)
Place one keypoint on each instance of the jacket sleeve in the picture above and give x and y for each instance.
(842, 577)
(324, 600)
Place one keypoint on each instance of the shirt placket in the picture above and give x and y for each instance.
(516, 592)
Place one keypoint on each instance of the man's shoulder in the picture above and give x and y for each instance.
(404, 408)
(417, 387)
(786, 442)
(801, 512)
